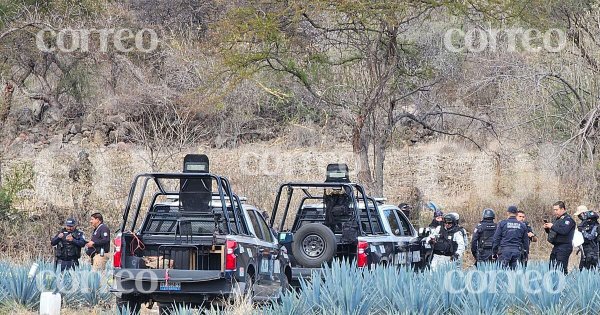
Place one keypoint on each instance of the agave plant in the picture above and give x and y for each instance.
(289, 303)
(84, 288)
(181, 309)
(403, 289)
(584, 290)
(447, 285)
(342, 288)
(123, 310)
(19, 287)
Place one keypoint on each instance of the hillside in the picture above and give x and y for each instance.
(470, 106)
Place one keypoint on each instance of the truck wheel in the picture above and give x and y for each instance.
(313, 245)
(130, 303)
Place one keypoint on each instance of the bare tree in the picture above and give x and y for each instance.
(164, 131)
(357, 60)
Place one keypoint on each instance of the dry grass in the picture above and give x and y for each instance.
(457, 179)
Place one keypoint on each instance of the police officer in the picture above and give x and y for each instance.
(510, 239)
(560, 234)
(483, 237)
(591, 236)
(530, 234)
(405, 208)
(98, 248)
(68, 243)
(449, 245)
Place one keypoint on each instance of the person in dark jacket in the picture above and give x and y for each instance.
(68, 243)
(510, 239)
(98, 248)
(560, 234)
(405, 208)
(449, 245)
(483, 237)
(438, 220)
(591, 237)
(530, 234)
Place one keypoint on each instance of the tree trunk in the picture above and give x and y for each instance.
(360, 148)
(5, 105)
(6, 102)
(378, 160)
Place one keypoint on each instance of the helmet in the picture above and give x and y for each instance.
(588, 215)
(455, 216)
(450, 218)
(488, 214)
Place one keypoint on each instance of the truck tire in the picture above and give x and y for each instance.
(313, 245)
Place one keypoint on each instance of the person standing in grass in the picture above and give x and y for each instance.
(530, 234)
(483, 237)
(591, 238)
(68, 243)
(98, 248)
(449, 245)
(510, 240)
(560, 234)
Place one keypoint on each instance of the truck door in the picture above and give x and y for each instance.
(409, 238)
(268, 267)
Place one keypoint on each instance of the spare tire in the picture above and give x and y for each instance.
(313, 245)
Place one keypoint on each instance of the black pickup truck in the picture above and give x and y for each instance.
(187, 239)
(337, 219)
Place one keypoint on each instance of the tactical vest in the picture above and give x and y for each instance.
(68, 250)
(591, 236)
(445, 244)
(485, 241)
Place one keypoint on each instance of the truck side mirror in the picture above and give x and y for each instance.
(424, 232)
(285, 238)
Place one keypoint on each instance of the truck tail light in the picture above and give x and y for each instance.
(117, 256)
(361, 254)
(230, 258)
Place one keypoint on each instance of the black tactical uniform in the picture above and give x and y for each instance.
(589, 229)
(68, 252)
(525, 257)
(483, 237)
(510, 240)
(446, 244)
(561, 236)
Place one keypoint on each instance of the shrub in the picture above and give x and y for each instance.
(19, 178)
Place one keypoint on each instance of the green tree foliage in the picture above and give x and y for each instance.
(19, 178)
(360, 59)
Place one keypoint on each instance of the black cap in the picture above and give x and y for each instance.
(512, 209)
(70, 222)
